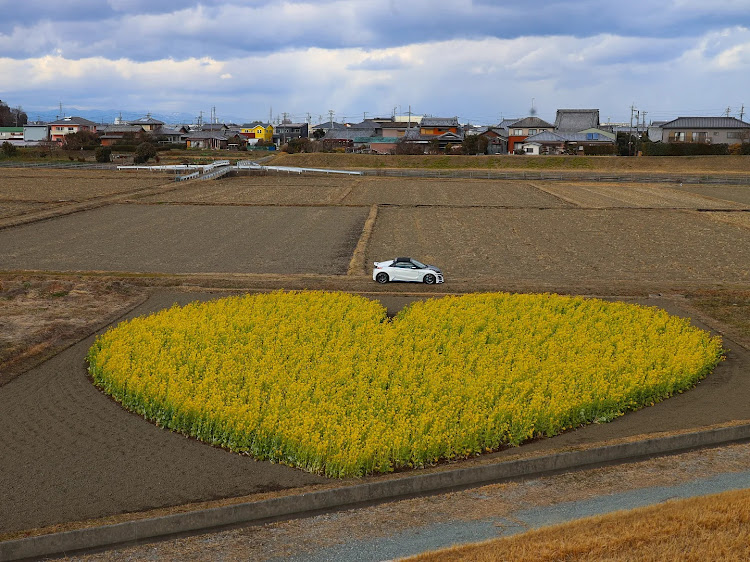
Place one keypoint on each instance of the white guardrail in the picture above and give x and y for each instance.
(221, 168)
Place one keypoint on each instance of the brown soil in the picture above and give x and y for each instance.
(188, 239)
(55, 184)
(567, 246)
(69, 453)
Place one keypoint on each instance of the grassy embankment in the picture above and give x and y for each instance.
(713, 527)
(611, 164)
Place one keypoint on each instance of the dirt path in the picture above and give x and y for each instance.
(70, 453)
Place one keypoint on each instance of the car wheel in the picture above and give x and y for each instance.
(381, 277)
(429, 279)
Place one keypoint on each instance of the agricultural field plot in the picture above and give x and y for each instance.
(262, 190)
(606, 195)
(15, 208)
(65, 184)
(737, 193)
(741, 219)
(188, 239)
(455, 192)
(572, 247)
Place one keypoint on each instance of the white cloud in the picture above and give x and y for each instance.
(477, 79)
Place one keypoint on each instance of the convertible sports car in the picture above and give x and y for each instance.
(406, 269)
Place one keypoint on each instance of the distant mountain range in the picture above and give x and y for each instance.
(109, 116)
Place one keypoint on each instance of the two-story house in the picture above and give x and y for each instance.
(67, 126)
(257, 131)
(519, 130)
(285, 132)
(714, 130)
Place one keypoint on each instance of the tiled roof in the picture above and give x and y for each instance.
(146, 121)
(205, 135)
(439, 122)
(575, 120)
(549, 136)
(73, 121)
(705, 123)
(531, 122)
(348, 134)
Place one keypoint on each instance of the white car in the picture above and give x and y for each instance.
(406, 269)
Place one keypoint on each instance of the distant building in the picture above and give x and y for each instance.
(713, 130)
(520, 130)
(576, 120)
(288, 131)
(147, 123)
(67, 126)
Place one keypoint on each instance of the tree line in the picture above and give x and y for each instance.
(12, 116)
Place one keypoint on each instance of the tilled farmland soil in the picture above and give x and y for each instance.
(71, 453)
(188, 239)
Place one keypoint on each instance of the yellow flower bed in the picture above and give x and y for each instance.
(325, 382)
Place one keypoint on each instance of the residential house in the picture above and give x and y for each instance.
(549, 142)
(352, 139)
(576, 120)
(497, 138)
(327, 126)
(714, 130)
(147, 123)
(520, 130)
(288, 131)
(206, 140)
(169, 135)
(67, 126)
(396, 128)
(437, 126)
(257, 131)
(112, 134)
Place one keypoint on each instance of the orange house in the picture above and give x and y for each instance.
(436, 126)
(67, 126)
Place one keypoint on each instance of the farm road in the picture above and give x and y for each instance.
(70, 453)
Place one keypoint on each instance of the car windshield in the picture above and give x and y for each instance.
(420, 265)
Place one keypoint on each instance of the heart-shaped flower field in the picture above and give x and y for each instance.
(326, 382)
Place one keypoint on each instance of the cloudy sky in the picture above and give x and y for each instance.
(480, 60)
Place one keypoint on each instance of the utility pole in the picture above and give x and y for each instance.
(309, 119)
(409, 124)
(394, 112)
(364, 116)
(742, 111)
(630, 135)
(728, 111)
(330, 116)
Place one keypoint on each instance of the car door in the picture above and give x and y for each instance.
(402, 271)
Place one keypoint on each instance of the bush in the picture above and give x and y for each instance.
(144, 152)
(9, 149)
(684, 149)
(103, 154)
(599, 150)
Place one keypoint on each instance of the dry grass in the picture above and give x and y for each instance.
(705, 528)
(608, 164)
(39, 316)
(729, 307)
